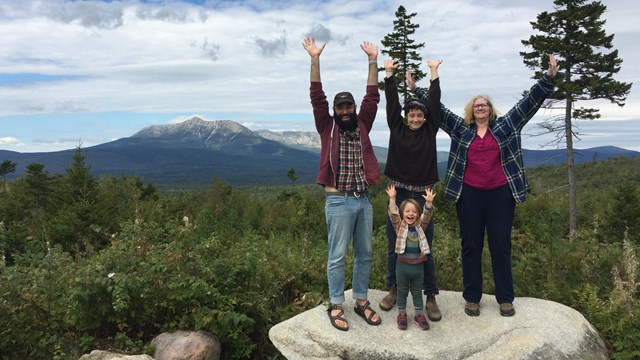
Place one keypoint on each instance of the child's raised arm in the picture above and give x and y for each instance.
(391, 191)
(429, 196)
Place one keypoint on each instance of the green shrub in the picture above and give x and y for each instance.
(32, 294)
(236, 261)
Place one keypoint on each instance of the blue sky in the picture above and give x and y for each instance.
(88, 72)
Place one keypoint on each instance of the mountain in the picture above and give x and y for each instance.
(533, 158)
(191, 153)
(188, 154)
(310, 140)
(306, 140)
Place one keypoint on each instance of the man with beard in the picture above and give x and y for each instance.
(347, 168)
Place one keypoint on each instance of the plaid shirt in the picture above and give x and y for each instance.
(402, 229)
(330, 137)
(506, 130)
(350, 174)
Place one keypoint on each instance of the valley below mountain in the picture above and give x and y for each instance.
(190, 154)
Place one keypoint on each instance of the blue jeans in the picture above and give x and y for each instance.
(493, 211)
(348, 218)
(430, 282)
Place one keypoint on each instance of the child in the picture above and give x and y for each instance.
(412, 248)
(412, 145)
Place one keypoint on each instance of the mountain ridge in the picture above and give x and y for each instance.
(193, 152)
(212, 134)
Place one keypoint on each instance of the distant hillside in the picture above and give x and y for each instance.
(188, 154)
(310, 140)
(306, 140)
(534, 158)
(191, 153)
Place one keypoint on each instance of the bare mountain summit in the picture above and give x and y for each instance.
(297, 139)
(198, 132)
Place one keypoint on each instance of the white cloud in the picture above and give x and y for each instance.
(244, 60)
(10, 141)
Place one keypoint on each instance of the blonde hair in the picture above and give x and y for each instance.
(468, 110)
(411, 201)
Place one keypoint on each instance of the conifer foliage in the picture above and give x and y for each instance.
(109, 263)
(575, 33)
(400, 46)
(7, 167)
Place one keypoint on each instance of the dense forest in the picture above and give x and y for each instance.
(111, 262)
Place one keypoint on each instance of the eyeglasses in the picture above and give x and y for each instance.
(481, 105)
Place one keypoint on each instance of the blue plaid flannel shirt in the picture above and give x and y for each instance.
(506, 130)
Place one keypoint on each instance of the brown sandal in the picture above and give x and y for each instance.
(362, 311)
(338, 316)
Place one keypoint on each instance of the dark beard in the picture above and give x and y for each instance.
(350, 125)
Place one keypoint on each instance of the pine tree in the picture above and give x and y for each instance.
(38, 185)
(7, 167)
(400, 46)
(80, 183)
(622, 217)
(77, 209)
(574, 32)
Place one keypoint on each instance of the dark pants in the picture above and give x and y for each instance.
(410, 280)
(430, 282)
(492, 210)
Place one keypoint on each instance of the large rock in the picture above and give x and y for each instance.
(106, 355)
(186, 345)
(540, 330)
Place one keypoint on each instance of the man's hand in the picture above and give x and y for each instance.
(313, 50)
(370, 49)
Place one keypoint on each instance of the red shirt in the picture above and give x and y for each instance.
(484, 169)
(330, 137)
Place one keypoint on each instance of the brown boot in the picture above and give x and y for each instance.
(433, 311)
(388, 300)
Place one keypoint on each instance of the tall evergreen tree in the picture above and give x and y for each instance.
(624, 212)
(400, 46)
(78, 209)
(81, 184)
(574, 32)
(38, 184)
(7, 167)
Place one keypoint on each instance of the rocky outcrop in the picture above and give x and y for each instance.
(540, 330)
(179, 345)
(107, 355)
(186, 345)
